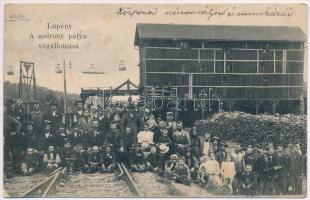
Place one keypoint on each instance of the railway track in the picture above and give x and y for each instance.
(47, 185)
(122, 183)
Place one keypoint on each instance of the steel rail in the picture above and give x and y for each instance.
(121, 170)
(131, 181)
(55, 171)
(37, 186)
(52, 183)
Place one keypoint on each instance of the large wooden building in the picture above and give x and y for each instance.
(250, 68)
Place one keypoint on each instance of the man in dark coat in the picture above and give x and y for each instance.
(31, 136)
(104, 122)
(69, 157)
(248, 182)
(295, 171)
(279, 178)
(37, 117)
(264, 169)
(93, 163)
(195, 142)
(116, 140)
(132, 120)
(46, 138)
(250, 158)
(61, 135)
(108, 163)
(78, 113)
(75, 136)
(69, 118)
(95, 137)
(30, 162)
(53, 116)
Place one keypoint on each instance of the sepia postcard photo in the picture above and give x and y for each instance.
(155, 100)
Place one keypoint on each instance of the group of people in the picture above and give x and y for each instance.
(94, 139)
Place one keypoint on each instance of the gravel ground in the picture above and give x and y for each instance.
(18, 185)
(93, 185)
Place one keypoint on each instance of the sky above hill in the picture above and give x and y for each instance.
(103, 35)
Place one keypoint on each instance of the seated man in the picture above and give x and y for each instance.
(69, 157)
(93, 163)
(30, 162)
(248, 181)
(170, 166)
(182, 172)
(145, 138)
(51, 159)
(108, 160)
(138, 162)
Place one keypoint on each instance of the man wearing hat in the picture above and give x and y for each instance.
(47, 138)
(30, 162)
(37, 117)
(12, 131)
(61, 135)
(132, 120)
(181, 139)
(53, 116)
(78, 111)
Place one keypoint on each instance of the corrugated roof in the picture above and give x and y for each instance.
(218, 32)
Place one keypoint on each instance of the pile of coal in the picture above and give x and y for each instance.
(248, 129)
